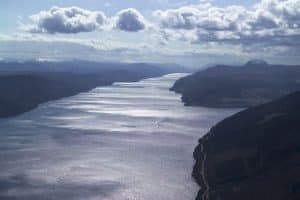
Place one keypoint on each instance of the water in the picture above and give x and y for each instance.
(129, 141)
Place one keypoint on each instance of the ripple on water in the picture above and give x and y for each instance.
(125, 141)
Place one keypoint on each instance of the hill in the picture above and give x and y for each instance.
(252, 155)
(226, 86)
(25, 85)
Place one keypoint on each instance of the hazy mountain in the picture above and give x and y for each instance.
(82, 66)
(229, 86)
(24, 85)
(253, 154)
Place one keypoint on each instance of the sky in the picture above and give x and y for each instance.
(187, 32)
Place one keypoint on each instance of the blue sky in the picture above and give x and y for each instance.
(191, 32)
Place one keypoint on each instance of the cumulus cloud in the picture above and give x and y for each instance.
(65, 20)
(286, 10)
(272, 22)
(76, 20)
(182, 18)
(130, 20)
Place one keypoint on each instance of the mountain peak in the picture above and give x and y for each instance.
(256, 62)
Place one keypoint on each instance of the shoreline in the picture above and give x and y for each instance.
(199, 175)
(34, 106)
(37, 104)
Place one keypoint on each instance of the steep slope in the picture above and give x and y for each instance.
(254, 154)
(252, 84)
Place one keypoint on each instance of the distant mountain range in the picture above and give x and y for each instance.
(253, 154)
(252, 84)
(25, 85)
(82, 66)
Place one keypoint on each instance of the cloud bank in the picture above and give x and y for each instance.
(272, 22)
(269, 26)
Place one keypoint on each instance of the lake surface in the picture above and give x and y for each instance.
(128, 141)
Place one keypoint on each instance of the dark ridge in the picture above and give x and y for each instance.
(23, 86)
(254, 154)
(224, 86)
(257, 62)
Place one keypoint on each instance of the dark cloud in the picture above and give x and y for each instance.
(66, 20)
(130, 20)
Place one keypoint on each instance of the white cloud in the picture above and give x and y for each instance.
(271, 23)
(271, 27)
(130, 20)
(75, 20)
(181, 18)
(286, 10)
(65, 20)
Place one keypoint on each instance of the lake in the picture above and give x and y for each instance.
(128, 141)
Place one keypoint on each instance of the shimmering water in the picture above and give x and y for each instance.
(126, 141)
